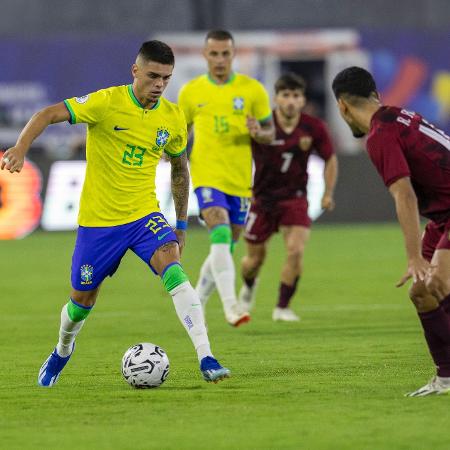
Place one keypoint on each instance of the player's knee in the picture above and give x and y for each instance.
(221, 234)
(295, 254)
(257, 260)
(437, 285)
(85, 298)
(172, 276)
(421, 298)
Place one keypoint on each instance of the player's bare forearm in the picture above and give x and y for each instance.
(39, 122)
(13, 158)
(263, 133)
(266, 133)
(408, 216)
(330, 174)
(180, 185)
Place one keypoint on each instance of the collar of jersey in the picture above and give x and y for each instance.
(229, 81)
(137, 102)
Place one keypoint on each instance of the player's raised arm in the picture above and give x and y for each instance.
(408, 217)
(180, 193)
(13, 158)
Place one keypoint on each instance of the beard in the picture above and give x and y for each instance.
(358, 134)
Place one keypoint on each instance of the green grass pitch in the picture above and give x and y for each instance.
(334, 381)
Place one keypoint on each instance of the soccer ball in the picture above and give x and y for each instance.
(145, 365)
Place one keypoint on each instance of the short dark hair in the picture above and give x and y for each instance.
(290, 81)
(354, 81)
(219, 35)
(157, 51)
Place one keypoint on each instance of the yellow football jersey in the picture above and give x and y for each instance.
(221, 156)
(123, 147)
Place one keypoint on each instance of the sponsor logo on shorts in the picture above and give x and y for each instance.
(163, 235)
(305, 143)
(82, 99)
(86, 274)
(207, 195)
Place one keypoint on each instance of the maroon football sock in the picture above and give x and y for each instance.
(446, 304)
(436, 327)
(285, 294)
(249, 281)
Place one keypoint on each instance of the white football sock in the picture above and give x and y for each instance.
(205, 284)
(67, 333)
(222, 266)
(189, 311)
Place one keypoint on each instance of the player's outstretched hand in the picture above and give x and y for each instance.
(327, 202)
(181, 235)
(12, 160)
(253, 126)
(418, 269)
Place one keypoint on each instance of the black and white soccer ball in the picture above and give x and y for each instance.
(145, 365)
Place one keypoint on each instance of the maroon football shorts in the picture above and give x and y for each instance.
(263, 221)
(435, 237)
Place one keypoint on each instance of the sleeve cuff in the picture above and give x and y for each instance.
(174, 155)
(73, 119)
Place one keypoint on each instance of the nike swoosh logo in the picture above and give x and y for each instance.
(117, 128)
(201, 105)
(163, 235)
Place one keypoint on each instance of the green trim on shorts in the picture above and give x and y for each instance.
(221, 234)
(173, 276)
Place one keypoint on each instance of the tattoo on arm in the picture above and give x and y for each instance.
(180, 185)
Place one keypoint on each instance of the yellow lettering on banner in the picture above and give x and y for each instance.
(20, 202)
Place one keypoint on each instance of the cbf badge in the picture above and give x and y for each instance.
(305, 143)
(238, 105)
(162, 136)
(86, 273)
(207, 195)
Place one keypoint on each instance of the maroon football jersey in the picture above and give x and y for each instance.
(280, 167)
(402, 144)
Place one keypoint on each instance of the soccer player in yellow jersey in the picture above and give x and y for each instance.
(129, 127)
(226, 109)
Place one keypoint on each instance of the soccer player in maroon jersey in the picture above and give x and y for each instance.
(279, 192)
(413, 159)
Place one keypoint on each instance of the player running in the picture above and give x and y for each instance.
(279, 193)
(226, 109)
(129, 127)
(413, 159)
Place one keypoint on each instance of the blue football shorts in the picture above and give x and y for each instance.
(237, 206)
(99, 250)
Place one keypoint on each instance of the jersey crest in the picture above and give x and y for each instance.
(305, 143)
(238, 105)
(162, 136)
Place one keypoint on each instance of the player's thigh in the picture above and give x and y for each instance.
(260, 225)
(438, 280)
(295, 238)
(215, 215)
(165, 255)
(97, 254)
